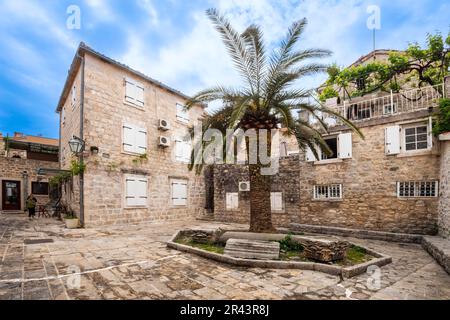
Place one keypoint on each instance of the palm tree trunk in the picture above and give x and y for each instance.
(260, 188)
(260, 208)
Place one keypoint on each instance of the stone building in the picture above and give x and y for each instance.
(395, 180)
(21, 157)
(136, 154)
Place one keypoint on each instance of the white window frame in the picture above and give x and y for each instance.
(341, 155)
(136, 94)
(416, 125)
(234, 205)
(272, 201)
(184, 182)
(393, 108)
(328, 192)
(135, 180)
(182, 115)
(415, 189)
(135, 148)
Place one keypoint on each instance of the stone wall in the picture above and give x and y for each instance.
(227, 178)
(444, 200)
(25, 171)
(369, 182)
(104, 113)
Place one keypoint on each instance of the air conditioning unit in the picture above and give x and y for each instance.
(164, 142)
(244, 186)
(164, 125)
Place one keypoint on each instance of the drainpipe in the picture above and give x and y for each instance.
(81, 137)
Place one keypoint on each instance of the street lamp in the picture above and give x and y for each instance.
(76, 145)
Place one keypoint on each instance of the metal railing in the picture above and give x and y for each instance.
(391, 104)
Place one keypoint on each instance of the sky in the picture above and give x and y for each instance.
(174, 42)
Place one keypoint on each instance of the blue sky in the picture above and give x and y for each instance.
(172, 41)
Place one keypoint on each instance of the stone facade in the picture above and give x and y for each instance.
(105, 111)
(444, 201)
(24, 171)
(369, 186)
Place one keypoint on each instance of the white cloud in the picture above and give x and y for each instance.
(101, 11)
(148, 7)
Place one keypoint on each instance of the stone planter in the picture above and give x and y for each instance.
(72, 223)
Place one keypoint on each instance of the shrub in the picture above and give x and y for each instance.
(442, 123)
(288, 244)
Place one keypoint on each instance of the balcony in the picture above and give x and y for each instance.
(363, 109)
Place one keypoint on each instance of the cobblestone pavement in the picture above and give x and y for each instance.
(132, 262)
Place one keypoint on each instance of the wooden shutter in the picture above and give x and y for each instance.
(310, 157)
(179, 193)
(139, 94)
(141, 192)
(392, 137)
(345, 149)
(141, 140)
(130, 91)
(179, 149)
(430, 133)
(130, 192)
(276, 201)
(182, 114)
(129, 138)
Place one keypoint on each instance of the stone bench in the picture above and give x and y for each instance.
(252, 249)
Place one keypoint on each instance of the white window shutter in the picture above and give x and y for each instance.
(130, 91)
(139, 94)
(182, 114)
(179, 149)
(141, 192)
(310, 157)
(345, 148)
(392, 137)
(179, 193)
(232, 201)
(128, 138)
(276, 201)
(187, 150)
(141, 140)
(430, 133)
(130, 191)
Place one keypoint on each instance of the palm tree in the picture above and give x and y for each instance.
(266, 100)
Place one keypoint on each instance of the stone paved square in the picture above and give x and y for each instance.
(133, 262)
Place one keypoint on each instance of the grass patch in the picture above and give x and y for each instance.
(355, 255)
(209, 246)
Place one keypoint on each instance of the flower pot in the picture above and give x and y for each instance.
(71, 223)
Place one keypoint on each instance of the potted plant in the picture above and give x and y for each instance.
(71, 220)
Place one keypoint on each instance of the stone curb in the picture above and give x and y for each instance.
(439, 249)
(359, 233)
(347, 272)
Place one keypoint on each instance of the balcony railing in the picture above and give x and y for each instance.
(359, 109)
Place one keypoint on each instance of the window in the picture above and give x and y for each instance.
(276, 201)
(134, 139)
(183, 150)
(134, 92)
(332, 144)
(232, 201)
(73, 95)
(182, 113)
(341, 145)
(390, 108)
(179, 192)
(416, 137)
(324, 192)
(136, 191)
(39, 188)
(361, 84)
(417, 189)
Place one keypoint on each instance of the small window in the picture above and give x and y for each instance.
(276, 201)
(417, 189)
(389, 109)
(361, 84)
(333, 145)
(39, 188)
(182, 113)
(232, 201)
(74, 96)
(183, 150)
(179, 192)
(134, 139)
(134, 93)
(136, 191)
(416, 138)
(325, 192)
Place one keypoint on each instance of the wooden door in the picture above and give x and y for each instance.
(11, 195)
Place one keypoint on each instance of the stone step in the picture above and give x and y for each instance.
(252, 249)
